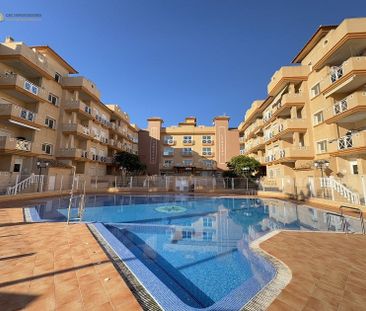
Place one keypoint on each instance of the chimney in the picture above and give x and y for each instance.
(9, 39)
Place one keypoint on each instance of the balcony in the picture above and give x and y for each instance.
(292, 154)
(25, 59)
(253, 145)
(285, 128)
(73, 153)
(80, 107)
(349, 109)
(253, 129)
(87, 88)
(349, 145)
(286, 75)
(19, 115)
(76, 129)
(17, 86)
(16, 146)
(346, 78)
(288, 101)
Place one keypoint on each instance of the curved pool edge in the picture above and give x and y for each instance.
(164, 299)
(263, 299)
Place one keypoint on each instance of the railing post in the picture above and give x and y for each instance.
(61, 181)
(131, 182)
(115, 181)
(96, 182)
(16, 184)
(232, 184)
(363, 189)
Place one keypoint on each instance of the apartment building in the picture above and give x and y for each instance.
(188, 148)
(313, 121)
(50, 114)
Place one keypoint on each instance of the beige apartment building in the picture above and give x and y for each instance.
(313, 121)
(188, 148)
(49, 114)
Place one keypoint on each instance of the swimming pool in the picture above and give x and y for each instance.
(193, 252)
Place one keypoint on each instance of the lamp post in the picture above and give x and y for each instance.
(40, 165)
(246, 171)
(322, 165)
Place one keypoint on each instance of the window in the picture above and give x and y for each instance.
(168, 151)
(207, 221)
(187, 234)
(53, 99)
(168, 139)
(57, 77)
(206, 151)
(187, 140)
(187, 151)
(354, 167)
(50, 122)
(318, 118)
(321, 146)
(207, 163)
(47, 148)
(16, 168)
(206, 139)
(187, 162)
(315, 90)
(207, 236)
(168, 163)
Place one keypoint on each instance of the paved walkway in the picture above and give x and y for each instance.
(328, 270)
(52, 266)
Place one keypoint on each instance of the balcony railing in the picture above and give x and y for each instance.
(356, 65)
(17, 80)
(72, 153)
(11, 143)
(345, 109)
(32, 56)
(7, 109)
(78, 128)
(169, 142)
(355, 142)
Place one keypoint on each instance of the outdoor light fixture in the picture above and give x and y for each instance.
(40, 166)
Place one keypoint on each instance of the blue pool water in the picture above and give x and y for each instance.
(197, 247)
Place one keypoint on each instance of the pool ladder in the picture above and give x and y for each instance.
(343, 218)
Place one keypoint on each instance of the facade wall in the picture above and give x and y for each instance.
(64, 112)
(188, 148)
(317, 116)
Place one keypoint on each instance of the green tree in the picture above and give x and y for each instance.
(130, 162)
(243, 165)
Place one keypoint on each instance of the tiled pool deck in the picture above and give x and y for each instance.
(52, 266)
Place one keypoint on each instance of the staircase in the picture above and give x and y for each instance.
(334, 185)
(25, 184)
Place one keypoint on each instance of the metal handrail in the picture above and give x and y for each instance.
(360, 215)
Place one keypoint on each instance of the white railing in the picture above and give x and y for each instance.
(336, 73)
(340, 106)
(24, 184)
(345, 142)
(334, 185)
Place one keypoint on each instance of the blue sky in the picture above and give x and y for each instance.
(176, 58)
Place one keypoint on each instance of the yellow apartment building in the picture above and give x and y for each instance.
(47, 113)
(188, 148)
(313, 121)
